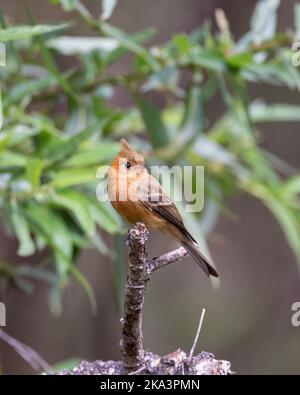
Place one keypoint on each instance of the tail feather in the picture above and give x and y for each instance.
(194, 251)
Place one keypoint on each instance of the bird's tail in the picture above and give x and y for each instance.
(194, 251)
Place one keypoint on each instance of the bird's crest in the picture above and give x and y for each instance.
(127, 151)
(126, 147)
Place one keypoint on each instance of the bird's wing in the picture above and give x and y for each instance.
(154, 197)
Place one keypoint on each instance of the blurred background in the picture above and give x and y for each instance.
(248, 319)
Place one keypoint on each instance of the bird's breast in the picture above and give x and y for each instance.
(126, 198)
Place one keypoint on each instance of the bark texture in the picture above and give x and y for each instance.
(132, 339)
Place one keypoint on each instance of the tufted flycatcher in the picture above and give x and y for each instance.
(137, 196)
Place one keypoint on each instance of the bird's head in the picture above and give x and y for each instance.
(128, 161)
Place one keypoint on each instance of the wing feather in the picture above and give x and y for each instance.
(155, 198)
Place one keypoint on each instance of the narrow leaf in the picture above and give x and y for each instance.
(79, 207)
(108, 8)
(152, 119)
(130, 45)
(74, 176)
(20, 228)
(23, 32)
(34, 170)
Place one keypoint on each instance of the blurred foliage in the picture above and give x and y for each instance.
(59, 126)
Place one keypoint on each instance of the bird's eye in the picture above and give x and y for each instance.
(127, 164)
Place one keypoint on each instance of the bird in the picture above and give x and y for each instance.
(139, 197)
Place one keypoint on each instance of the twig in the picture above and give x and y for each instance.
(140, 370)
(32, 357)
(166, 259)
(197, 336)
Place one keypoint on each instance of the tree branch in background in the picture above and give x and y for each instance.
(27, 353)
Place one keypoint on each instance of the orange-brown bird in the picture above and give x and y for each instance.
(137, 196)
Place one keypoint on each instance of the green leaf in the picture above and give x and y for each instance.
(79, 207)
(63, 267)
(292, 186)
(288, 221)
(87, 287)
(130, 44)
(262, 24)
(17, 134)
(105, 216)
(62, 80)
(242, 103)
(264, 19)
(4, 140)
(28, 88)
(193, 108)
(216, 153)
(277, 74)
(34, 170)
(74, 176)
(137, 38)
(153, 122)
(62, 149)
(20, 227)
(210, 60)
(259, 166)
(191, 125)
(108, 8)
(38, 121)
(74, 45)
(165, 79)
(92, 154)
(53, 228)
(182, 42)
(100, 245)
(239, 60)
(37, 273)
(12, 159)
(279, 112)
(23, 32)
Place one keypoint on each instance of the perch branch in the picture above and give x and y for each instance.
(139, 270)
(132, 340)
